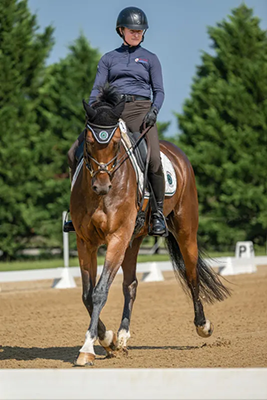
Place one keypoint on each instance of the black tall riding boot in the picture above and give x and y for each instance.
(158, 224)
(68, 225)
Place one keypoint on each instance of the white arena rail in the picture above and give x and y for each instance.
(126, 384)
(152, 271)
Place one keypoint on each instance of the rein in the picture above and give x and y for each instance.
(125, 156)
(117, 163)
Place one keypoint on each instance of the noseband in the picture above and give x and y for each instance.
(102, 167)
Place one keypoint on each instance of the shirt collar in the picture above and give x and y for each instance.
(131, 49)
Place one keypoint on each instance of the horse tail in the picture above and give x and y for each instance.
(210, 286)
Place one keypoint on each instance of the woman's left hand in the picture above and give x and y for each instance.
(150, 118)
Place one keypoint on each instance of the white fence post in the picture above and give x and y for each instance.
(65, 242)
(66, 280)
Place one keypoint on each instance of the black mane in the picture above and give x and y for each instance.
(108, 95)
(107, 99)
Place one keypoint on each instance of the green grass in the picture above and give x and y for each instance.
(74, 262)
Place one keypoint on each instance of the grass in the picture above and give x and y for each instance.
(74, 262)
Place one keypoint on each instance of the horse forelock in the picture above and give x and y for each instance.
(106, 101)
(104, 116)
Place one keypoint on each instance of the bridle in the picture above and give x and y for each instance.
(116, 163)
(102, 167)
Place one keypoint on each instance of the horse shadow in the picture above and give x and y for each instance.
(69, 354)
(65, 354)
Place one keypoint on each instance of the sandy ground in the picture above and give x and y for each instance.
(42, 327)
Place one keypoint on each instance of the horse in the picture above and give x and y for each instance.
(104, 208)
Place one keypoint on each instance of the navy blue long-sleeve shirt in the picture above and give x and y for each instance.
(133, 70)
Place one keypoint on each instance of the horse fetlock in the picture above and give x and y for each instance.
(123, 336)
(88, 346)
(109, 343)
(205, 330)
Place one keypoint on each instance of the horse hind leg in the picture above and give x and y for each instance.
(195, 275)
(189, 253)
(129, 291)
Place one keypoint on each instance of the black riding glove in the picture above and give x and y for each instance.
(150, 118)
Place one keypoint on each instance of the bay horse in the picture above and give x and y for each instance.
(104, 207)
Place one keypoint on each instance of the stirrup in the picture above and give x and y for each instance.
(68, 227)
(164, 232)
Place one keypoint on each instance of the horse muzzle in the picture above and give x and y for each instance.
(101, 188)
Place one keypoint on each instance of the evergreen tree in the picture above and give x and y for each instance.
(22, 55)
(162, 128)
(224, 132)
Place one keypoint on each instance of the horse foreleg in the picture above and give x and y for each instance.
(114, 257)
(129, 290)
(88, 264)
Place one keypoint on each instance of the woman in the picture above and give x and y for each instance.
(135, 72)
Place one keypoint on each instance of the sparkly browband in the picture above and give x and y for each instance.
(103, 134)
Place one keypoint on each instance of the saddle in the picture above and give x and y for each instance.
(140, 151)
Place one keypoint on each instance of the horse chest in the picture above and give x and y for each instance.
(99, 221)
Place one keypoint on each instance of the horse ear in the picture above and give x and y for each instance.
(90, 112)
(118, 109)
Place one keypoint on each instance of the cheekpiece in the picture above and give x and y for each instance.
(102, 134)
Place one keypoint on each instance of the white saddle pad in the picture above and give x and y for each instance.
(169, 173)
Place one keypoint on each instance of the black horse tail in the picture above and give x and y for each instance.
(210, 286)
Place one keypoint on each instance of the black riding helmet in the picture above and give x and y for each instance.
(132, 18)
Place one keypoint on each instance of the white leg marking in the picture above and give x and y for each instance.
(123, 336)
(88, 346)
(107, 339)
(206, 327)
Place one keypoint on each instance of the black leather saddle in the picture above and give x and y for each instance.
(140, 151)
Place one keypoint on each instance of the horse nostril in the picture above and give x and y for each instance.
(95, 188)
(110, 186)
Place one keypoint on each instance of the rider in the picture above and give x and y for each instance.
(135, 72)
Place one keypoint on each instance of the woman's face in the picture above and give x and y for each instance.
(131, 36)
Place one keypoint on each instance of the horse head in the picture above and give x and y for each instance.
(103, 138)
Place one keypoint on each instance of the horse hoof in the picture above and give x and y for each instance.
(205, 330)
(85, 359)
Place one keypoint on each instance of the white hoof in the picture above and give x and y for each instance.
(205, 330)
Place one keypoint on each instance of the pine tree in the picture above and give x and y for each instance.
(224, 132)
(22, 56)
(162, 128)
